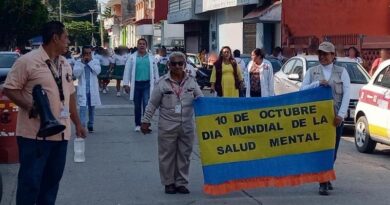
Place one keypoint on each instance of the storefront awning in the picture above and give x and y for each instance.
(269, 14)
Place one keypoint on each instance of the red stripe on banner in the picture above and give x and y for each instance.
(295, 180)
(371, 97)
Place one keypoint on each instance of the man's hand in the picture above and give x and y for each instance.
(145, 128)
(337, 121)
(127, 88)
(212, 88)
(324, 83)
(81, 131)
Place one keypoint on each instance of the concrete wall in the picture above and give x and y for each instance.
(229, 28)
(334, 17)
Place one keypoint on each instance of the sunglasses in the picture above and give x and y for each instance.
(180, 63)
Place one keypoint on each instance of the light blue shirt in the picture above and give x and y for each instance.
(142, 68)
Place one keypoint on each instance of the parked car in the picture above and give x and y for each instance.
(7, 59)
(289, 78)
(194, 60)
(373, 111)
(276, 63)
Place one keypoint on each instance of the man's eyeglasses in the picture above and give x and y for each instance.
(180, 63)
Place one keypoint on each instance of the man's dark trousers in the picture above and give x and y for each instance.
(41, 167)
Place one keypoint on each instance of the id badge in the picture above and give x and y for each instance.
(64, 113)
(178, 108)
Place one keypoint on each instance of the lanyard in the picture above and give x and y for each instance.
(179, 90)
(58, 79)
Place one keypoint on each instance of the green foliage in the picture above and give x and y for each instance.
(80, 32)
(74, 7)
(20, 20)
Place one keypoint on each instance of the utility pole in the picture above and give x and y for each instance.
(60, 10)
(92, 39)
(101, 25)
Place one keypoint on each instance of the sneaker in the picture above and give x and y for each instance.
(170, 189)
(90, 129)
(118, 94)
(137, 129)
(182, 190)
(323, 190)
(104, 91)
(330, 186)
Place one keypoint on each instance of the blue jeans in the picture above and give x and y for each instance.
(41, 167)
(141, 98)
(91, 113)
(339, 132)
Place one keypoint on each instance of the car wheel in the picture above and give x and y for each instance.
(363, 141)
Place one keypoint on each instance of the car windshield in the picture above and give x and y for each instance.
(354, 70)
(193, 59)
(7, 60)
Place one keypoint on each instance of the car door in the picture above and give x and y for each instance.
(380, 97)
(281, 77)
(295, 77)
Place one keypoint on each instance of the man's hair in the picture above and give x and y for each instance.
(142, 39)
(236, 53)
(83, 49)
(51, 28)
(177, 54)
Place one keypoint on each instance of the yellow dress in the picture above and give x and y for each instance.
(227, 82)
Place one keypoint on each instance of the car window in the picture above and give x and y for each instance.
(355, 71)
(288, 66)
(276, 64)
(298, 69)
(383, 78)
(193, 59)
(7, 60)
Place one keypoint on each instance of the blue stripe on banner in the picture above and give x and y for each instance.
(273, 167)
(225, 105)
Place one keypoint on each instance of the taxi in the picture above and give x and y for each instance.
(372, 115)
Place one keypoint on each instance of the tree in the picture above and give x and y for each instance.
(20, 20)
(72, 7)
(80, 32)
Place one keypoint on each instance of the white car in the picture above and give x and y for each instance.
(290, 76)
(373, 111)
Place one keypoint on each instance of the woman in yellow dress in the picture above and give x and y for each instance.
(226, 77)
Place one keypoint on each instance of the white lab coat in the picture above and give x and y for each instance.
(79, 73)
(266, 79)
(129, 73)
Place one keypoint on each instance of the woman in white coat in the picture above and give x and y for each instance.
(259, 77)
(86, 71)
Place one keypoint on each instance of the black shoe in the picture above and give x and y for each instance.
(330, 186)
(170, 189)
(323, 190)
(90, 129)
(182, 190)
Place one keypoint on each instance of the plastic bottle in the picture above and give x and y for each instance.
(79, 149)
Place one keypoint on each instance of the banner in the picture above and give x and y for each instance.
(278, 141)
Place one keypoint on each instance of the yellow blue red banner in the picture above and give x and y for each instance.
(257, 142)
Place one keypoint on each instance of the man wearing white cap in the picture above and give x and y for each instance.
(328, 74)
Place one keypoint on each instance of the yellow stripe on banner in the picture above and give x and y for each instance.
(378, 131)
(267, 132)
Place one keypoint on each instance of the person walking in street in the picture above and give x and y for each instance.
(354, 54)
(119, 66)
(140, 75)
(259, 76)
(328, 74)
(236, 55)
(226, 78)
(106, 63)
(42, 160)
(162, 61)
(173, 96)
(86, 71)
(384, 55)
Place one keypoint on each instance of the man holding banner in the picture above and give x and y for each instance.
(174, 94)
(329, 75)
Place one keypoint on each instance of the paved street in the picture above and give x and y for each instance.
(121, 168)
